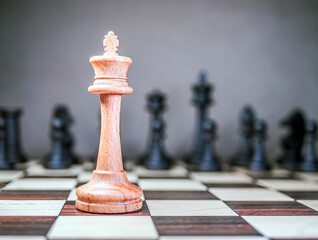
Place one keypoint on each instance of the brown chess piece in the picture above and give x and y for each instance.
(109, 190)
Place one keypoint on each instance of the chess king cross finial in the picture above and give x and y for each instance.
(111, 44)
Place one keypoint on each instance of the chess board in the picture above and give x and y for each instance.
(36, 203)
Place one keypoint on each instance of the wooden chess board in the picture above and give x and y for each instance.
(40, 204)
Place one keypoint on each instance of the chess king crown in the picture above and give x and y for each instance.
(110, 69)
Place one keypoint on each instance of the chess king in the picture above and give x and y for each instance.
(109, 190)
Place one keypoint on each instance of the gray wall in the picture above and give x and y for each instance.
(255, 51)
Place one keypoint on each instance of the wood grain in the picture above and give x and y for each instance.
(178, 195)
(33, 195)
(302, 195)
(187, 226)
(250, 208)
(25, 225)
(109, 190)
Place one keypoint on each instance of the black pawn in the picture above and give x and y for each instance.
(4, 161)
(259, 159)
(310, 163)
(156, 158)
(62, 112)
(247, 120)
(156, 103)
(59, 158)
(292, 143)
(202, 100)
(155, 106)
(13, 138)
(209, 159)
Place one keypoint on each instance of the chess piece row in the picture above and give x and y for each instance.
(253, 131)
(61, 155)
(204, 154)
(299, 145)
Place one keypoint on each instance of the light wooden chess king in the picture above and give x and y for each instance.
(109, 190)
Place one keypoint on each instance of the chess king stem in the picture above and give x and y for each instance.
(109, 152)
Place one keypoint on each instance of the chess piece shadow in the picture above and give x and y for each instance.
(259, 159)
(310, 161)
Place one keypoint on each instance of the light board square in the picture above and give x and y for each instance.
(285, 226)
(41, 184)
(221, 177)
(7, 176)
(31, 207)
(189, 208)
(103, 227)
(170, 184)
(249, 194)
(289, 185)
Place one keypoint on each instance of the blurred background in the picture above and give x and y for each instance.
(260, 52)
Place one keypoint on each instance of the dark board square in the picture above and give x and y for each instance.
(303, 195)
(202, 225)
(178, 195)
(34, 195)
(294, 238)
(265, 208)
(25, 225)
(271, 175)
(232, 185)
(69, 209)
(80, 184)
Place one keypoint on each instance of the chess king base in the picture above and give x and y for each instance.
(113, 193)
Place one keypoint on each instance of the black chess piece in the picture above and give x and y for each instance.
(259, 159)
(209, 159)
(62, 112)
(59, 157)
(4, 161)
(245, 153)
(310, 161)
(156, 104)
(292, 143)
(201, 99)
(156, 157)
(13, 135)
